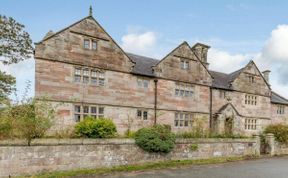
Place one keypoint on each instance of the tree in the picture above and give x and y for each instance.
(15, 43)
(15, 46)
(7, 83)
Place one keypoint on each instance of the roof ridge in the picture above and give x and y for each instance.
(129, 53)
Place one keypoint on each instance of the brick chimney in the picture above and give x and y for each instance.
(266, 75)
(201, 51)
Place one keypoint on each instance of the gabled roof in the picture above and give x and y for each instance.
(88, 17)
(225, 106)
(278, 99)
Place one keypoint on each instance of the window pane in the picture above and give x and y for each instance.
(182, 93)
(77, 109)
(85, 79)
(101, 110)
(93, 73)
(145, 115)
(93, 110)
(86, 72)
(177, 92)
(77, 117)
(85, 109)
(94, 81)
(139, 83)
(187, 93)
(94, 45)
(77, 71)
(176, 123)
(145, 83)
(87, 44)
(139, 113)
(77, 78)
(101, 81)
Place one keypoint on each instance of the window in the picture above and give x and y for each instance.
(250, 124)
(251, 78)
(90, 44)
(94, 44)
(77, 74)
(86, 76)
(184, 90)
(183, 119)
(101, 79)
(184, 64)
(142, 114)
(89, 76)
(222, 94)
(142, 83)
(77, 113)
(80, 112)
(250, 100)
(87, 44)
(280, 109)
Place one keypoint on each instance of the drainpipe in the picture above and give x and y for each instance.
(210, 109)
(155, 101)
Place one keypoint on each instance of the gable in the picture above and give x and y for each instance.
(170, 66)
(243, 81)
(67, 45)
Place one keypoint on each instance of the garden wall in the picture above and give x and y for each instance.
(65, 154)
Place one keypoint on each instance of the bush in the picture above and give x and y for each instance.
(280, 132)
(28, 120)
(96, 128)
(155, 139)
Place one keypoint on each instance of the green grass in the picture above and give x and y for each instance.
(138, 167)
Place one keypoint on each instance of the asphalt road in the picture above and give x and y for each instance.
(276, 167)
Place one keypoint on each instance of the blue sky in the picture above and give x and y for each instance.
(236, 30)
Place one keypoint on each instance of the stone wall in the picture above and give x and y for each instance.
(67, 154)
(274, 147)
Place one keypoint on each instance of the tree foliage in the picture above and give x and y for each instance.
(158, 138)
(15, 43)
(95, 128)
(28, 120)
(7, 85)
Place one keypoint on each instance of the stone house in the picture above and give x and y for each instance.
(83, 68)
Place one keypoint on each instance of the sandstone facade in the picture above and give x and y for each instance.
(82, 67)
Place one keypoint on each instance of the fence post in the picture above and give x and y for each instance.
(258, 144)
(270, 141)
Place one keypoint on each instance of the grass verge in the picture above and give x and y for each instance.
(138, 167)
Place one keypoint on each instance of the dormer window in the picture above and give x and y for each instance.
(184, 64)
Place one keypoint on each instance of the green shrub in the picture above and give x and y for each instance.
(95, 128)
(29, 119)
(280, 132)
(155, 139)
(194, 147)
(5, 127)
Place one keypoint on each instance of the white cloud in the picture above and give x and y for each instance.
(273, 56)
(226, 62)
(139, 43)
(276, 47)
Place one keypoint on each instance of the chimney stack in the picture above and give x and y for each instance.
(266, 75)
(201, 51)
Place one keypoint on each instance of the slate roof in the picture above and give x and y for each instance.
(222, 80)
(143, 66)
(276, 98)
